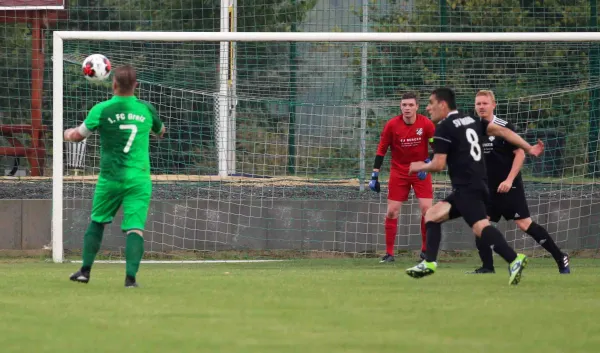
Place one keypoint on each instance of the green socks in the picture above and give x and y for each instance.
(91, 244)
(134, 251)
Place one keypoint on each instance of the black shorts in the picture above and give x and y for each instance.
(510, 205)
(469, 203)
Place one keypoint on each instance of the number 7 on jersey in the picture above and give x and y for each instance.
(133, 129)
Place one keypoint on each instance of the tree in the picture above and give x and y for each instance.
(528, 78)
(183, 77)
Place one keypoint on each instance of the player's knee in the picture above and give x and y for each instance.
(479, 226)
(393, 209)
(425, 203)
(523, 224)
(393, 214)
(98, 224)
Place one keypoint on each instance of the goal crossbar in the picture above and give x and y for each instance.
(333, 36)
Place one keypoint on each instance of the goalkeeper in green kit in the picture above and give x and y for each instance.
(124, 123)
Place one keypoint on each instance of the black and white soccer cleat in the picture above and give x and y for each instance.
(130, 282)
(80, 276)
(387, 258)
(481, 270)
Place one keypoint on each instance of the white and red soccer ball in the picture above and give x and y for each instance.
(96, 67)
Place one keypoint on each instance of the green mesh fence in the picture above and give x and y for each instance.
(301, 117)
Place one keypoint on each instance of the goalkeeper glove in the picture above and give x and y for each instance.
(423, 175)
(374, 183)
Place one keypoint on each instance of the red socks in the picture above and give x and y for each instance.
(391, 228)
(423, 235)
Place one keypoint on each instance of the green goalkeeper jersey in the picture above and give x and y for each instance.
(124, 124)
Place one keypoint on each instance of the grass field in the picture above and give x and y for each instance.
(299, 306)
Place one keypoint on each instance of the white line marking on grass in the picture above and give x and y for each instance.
(180, 261)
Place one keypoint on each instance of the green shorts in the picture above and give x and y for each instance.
(133, 195)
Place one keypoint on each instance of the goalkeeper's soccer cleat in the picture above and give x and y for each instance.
(423, 269)
(80, 276)
(481, 270)
(563, 266)
(130, 282)
(387, 258)
(515, 269)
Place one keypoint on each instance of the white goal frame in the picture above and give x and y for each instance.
(223, 136)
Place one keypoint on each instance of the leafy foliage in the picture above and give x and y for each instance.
(186, 68)
(527, 77)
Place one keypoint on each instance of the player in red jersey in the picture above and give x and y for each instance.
(409, 136)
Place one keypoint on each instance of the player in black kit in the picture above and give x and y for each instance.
(504, 162)
(457, 143)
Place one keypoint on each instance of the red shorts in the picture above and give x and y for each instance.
(399, 187)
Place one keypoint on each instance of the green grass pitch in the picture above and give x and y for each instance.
(311, 306)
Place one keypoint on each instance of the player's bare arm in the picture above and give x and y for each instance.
(513, 138)
(161, 134)
(437, 164)
(74, 135)
(517, 164)
(77, 134)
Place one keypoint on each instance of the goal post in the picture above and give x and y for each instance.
(204, 209)
(57, 148)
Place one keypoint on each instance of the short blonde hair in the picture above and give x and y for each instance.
(487, 93)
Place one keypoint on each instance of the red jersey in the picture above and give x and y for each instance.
(409, 143)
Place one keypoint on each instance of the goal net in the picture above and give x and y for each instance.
(271, 136)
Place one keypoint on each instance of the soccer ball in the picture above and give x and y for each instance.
(96, 67)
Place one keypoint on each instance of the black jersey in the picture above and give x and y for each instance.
(458, 136)
(499, 156)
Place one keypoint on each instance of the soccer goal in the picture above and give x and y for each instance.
(270, 136)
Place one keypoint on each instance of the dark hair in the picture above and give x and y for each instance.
(125, 77)
(411, 95)
(445, 94)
